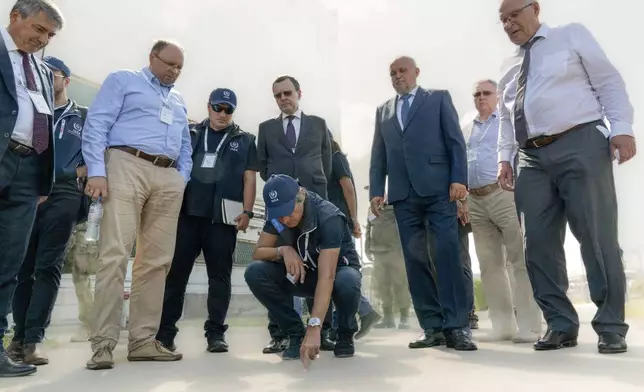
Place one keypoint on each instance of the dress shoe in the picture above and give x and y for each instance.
(217, 344)
(460, 340)
(344, 348)
(554, 340)
(101, 359)
(292, 352)
(15, 351)
(153, 351)
(611, 343)
(326, 344)
(366, 324)
(9, 368)
(33, 355)
(277, 345)
(430, 338)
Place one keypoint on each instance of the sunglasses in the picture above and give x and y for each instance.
(483, 93)
(285, 93)
(219, 109)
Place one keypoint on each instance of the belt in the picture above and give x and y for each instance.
(156, 160)
(21, 149)
(542, 141)
(485, 190)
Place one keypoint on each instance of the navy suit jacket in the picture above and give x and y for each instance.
(429, 154)
(9, 112)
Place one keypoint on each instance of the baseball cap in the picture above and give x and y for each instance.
(223, 95)
(57, 65)
(280, 192)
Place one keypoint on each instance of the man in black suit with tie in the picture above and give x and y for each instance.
(419, 146)
(26, 143)
(298, 145)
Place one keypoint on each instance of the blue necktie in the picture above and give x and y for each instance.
(404, 110)
(290, 134)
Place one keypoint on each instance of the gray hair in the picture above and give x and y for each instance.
(161, 44)
(492, 82)
(27, 8)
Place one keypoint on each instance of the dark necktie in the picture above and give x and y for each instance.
(404, 110)
(290, 134)
(40, 138)
(520, 122)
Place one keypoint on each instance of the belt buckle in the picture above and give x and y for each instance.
(154, 162)
(20, 149)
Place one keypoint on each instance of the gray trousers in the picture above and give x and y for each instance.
(572, 180)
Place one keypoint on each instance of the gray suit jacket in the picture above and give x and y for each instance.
(311, 162)
(9, 112)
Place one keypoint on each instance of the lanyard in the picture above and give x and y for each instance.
(205, 144)
(164, 99)
(67, 109)
(482, 136)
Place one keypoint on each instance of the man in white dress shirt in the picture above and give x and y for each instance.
(555, 92)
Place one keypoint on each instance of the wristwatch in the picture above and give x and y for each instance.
(314, 322)
(250, 214)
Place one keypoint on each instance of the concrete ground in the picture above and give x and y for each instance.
(382, 363)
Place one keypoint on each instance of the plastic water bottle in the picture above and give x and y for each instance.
(94, 221)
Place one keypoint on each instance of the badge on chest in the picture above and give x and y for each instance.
(166, 114)
(39, 102)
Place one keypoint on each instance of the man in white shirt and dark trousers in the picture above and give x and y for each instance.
(555, 92)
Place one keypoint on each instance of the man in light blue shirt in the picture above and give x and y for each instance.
(137, 148)
(496, 230)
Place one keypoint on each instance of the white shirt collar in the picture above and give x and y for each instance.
(8, 41)
(297, 114)
(412, 92)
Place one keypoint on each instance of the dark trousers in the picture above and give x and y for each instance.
(39, 276)
(439, 293)
(571, 180)
(268, 283)
(217, 241)
(19, 190)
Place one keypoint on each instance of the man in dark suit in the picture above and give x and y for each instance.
(419, 145)
(294, 143)
(298, 145)
(26, 143)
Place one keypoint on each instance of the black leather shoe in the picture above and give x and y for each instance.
(344, 348)
(366, 324)
(9, 368)
(326, 344)
(428, 339)
(277, 345)
(460, 340)
(292, 352)
(217, 345)
(611, 343)
(554, 340)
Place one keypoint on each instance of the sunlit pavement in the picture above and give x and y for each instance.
(383, 363)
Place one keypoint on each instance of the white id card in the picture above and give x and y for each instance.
(209, 161)
(39, 102)
(166, 115)
(471, 154)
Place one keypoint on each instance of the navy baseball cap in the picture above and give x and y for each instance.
(280, 192)
(223, 95)
(57, 65)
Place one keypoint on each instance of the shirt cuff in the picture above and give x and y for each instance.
(621, 128)
(505, 156)
(96, 171)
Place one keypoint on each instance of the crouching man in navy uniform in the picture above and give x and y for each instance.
(225, 168)
(305, 250)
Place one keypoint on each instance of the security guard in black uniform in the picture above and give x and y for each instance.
(305, 250)
(39, 276)
(223, 176)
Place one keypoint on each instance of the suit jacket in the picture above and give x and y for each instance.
(9, 112)
(311, 162)
(428, 155)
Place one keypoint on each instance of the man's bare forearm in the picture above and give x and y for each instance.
(322, 297)
(266, 253)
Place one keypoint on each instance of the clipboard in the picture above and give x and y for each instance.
(230, 210)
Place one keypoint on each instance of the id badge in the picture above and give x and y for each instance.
(471, 154)
(39, 102)
(166, 115)
(208, 161)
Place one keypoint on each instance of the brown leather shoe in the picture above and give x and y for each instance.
(33, 356)
(15, 351)
(153, 351)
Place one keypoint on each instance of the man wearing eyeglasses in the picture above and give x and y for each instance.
(556, 91)
(224, 174)
(137, 147)
(496, 230)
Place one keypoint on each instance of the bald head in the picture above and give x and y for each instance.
(403, 72)
(520, 19)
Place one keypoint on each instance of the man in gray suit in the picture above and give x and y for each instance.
(26, 143)
(294, 143)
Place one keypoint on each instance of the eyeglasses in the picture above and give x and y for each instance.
(219, 109)
(483, 93)
(514, 14)
(178, 67)
(287, 94)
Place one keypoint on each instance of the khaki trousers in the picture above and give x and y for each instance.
(83, 287)
(143, 203)
(391, 279)
(495, 226)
